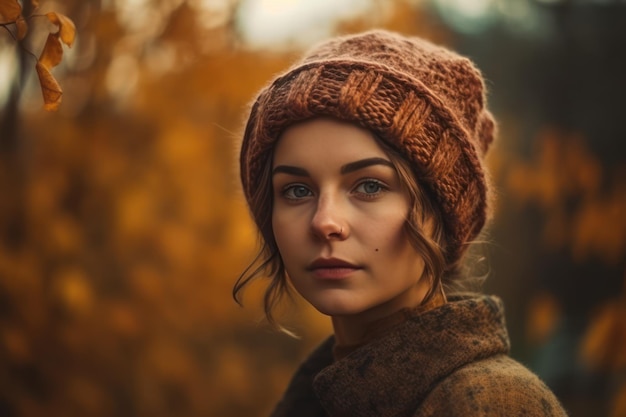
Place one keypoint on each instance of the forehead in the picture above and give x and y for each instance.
(325, 139)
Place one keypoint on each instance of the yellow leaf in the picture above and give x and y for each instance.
(22, 28)
(67, 30)
(50, 57)
(52, 52)
(50, 88)
(10, 11)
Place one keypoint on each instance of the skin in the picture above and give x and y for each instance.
(338, 219)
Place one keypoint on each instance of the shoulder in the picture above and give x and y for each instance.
(299, 398)
(496, 386)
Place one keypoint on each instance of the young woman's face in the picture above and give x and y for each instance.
(338, 219)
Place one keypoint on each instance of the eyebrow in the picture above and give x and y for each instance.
(364, 163)
(345, 169)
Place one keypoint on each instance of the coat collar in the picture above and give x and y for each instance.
(391, 375)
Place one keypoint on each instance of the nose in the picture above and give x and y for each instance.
(328, 222)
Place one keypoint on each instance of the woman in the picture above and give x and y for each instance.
(363, 169)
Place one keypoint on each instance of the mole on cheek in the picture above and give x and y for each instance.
(376, 249)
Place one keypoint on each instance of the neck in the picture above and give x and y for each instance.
(348, 331)
(356, 329)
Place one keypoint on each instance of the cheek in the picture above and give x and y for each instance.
(390, 232)
(285, 232)
(289, 243)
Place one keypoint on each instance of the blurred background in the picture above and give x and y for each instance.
(123, 228)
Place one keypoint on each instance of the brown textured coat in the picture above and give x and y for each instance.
(450, 361)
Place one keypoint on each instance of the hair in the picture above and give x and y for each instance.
(424, 227)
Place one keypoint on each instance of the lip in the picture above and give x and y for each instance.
(332, 268)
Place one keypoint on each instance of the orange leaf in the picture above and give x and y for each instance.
(10, 10)
(22, 28)
(67, 30)
(50, 88)
(52, 52)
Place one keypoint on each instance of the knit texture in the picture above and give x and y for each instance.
(450, 361)
(424, 100)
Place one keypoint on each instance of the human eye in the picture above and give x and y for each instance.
(296, 192)
(370, 188)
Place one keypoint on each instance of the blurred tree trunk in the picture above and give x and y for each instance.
(12, 175)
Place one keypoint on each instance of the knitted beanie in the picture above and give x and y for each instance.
(425, 101)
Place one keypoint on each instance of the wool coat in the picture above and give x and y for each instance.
(450, 361)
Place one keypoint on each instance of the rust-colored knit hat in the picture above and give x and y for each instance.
(425, 101)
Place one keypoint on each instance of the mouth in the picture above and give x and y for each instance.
(332, 268)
